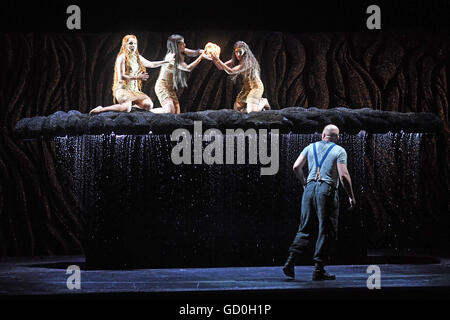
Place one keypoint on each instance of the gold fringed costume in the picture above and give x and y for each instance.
(129, 90)
(251, 92)
(164, 85)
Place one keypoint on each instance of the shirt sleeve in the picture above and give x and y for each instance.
(342, 157)
(305, 151)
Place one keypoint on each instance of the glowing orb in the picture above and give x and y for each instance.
(212, 47)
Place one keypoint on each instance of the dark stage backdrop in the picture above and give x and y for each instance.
(42, 73)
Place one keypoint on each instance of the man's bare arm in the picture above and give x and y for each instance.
(346, 181)
(298, 168)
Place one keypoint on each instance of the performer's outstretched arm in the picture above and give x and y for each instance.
(226, 66)
(156, 64)
(185, 67)
(219, 66)
(193, 53)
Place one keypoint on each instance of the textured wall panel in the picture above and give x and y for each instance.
(44, 73)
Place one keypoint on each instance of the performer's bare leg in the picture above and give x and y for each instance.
(177, 107)
(146, 104)
(122, 107)
(168, 106)
(254, 106)
(240, 107)
(159, 110)
(264, 104)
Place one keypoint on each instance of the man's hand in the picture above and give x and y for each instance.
(352, 203)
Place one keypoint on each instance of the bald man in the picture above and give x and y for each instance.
(327, 164)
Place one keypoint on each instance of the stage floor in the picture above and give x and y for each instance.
(45, 277)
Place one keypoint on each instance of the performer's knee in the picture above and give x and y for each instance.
(169, 106)
(239, 107)
(126, 107)
(148, 104)
(145, 104)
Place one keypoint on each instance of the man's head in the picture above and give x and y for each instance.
(330, 133)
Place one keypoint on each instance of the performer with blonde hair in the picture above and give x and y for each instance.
(129, 72)
(244, 63)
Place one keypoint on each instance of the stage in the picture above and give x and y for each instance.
(45, 278)
(200, 207)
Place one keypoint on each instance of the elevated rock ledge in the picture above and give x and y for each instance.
(291, 119)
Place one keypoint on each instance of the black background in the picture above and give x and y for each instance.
(305, 16)
(289, 16)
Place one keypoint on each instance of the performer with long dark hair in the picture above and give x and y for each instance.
(244, 63)
(173, 75)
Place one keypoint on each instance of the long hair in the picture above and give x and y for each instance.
(250, 66)
(123, 49)
(179, 76)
